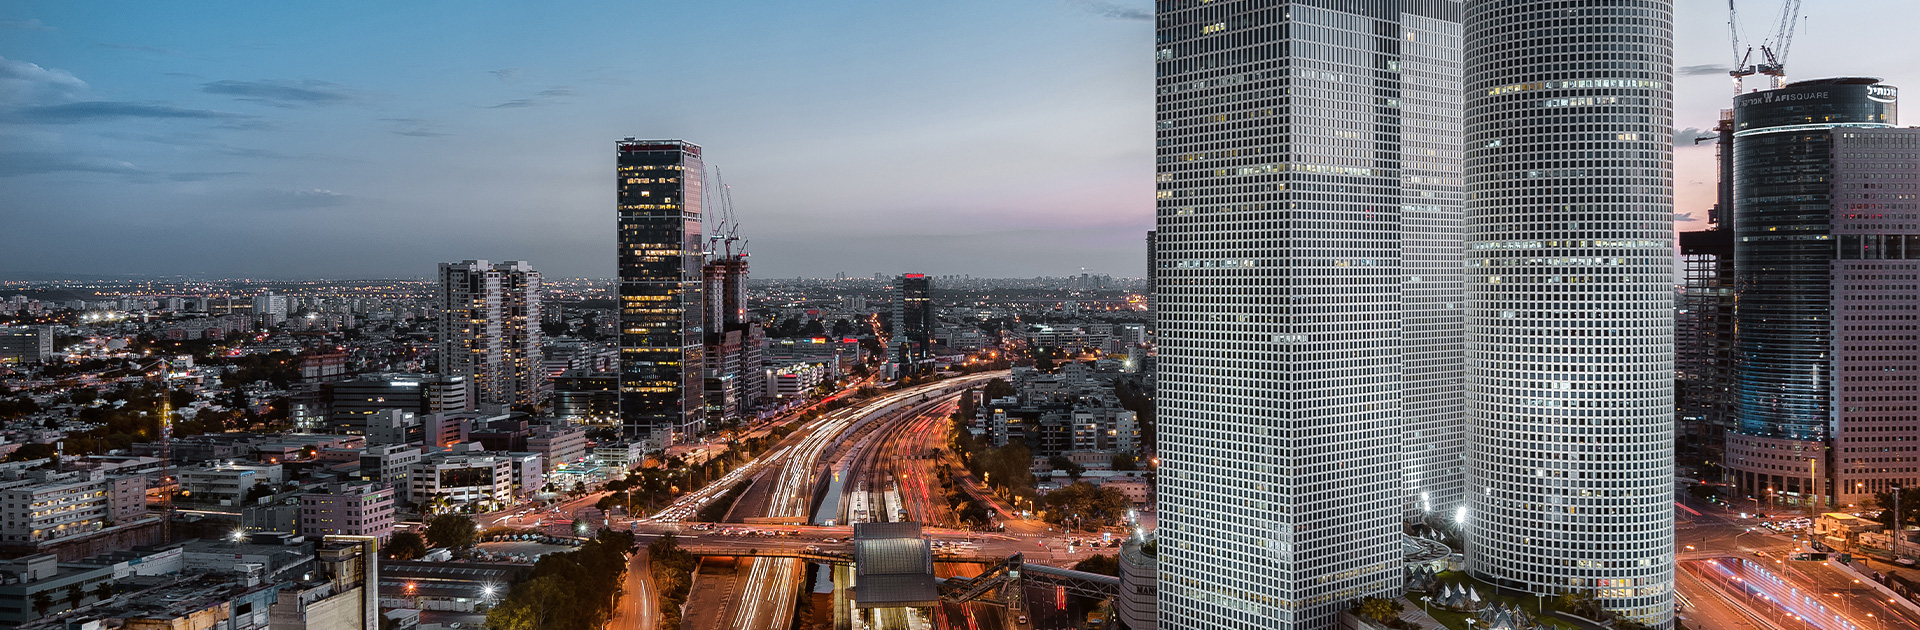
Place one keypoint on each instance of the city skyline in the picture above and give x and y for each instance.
(102, 115)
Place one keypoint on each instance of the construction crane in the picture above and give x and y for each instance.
(1773, 50)
(726, 233)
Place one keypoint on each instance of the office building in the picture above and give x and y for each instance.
(662, 380)
(1283, 177)
(445, 482)
(490, 331)
(1569, 234)
(352, 509)
(30, 344)
(354, 403)
(912, 321)
(586, 397)
(1827, 248)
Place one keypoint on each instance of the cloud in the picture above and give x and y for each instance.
(281, 93)
(182, 75)
(17, 163)
(1683, 217)
(416, 127)
(23, 83)
(541, 97)
(1111, 10)
(85, 111)
(31, 24)
(508, 74)
(1687, 137)
(1702, 70)
(142, 48)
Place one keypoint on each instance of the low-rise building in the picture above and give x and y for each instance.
(559, 444)
(451, 481)
(350, 509)
(43, 506)
(798, 379)
(226, 484)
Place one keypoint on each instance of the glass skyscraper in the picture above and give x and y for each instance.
(661, 261)
(1290, 321)
(1569, 236)
(1820, 232)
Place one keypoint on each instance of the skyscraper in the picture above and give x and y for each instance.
(1285, 182)
(661, 329)
(912, 321)
(1569, 237)
(1823, 228)
(490, 331)
(735, 381)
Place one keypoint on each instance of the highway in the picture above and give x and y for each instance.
(1735, 575)
(768, 591)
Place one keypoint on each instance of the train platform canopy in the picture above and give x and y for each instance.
(893, 566)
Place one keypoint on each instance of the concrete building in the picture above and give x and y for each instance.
(270, 308)
(587, 397)
(662, 370)
(1282, 284)
(450, 481)
(342, 594)
(39, 507)
(391, 465)
(798, 380)
(351, 509)
(558, 445)
(227, 483)
(1135, 605)
(1569, 301)
(490, 331)
(42, 577)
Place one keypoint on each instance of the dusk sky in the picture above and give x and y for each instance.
(375, 139)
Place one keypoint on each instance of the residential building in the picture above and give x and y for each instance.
(391, 465)
(1569, 301)
(1282, 299)
(353, 509)
(662, 379)
(270, 308)
(38, 507)
(490, 331)
(798, 380)
(227, 483)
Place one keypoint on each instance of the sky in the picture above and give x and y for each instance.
(348, 139)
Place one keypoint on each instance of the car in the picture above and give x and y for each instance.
(831, 540)
(813, 547)
(1761, 553)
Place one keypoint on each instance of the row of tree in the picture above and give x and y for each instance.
(576, 589)
(672, 569)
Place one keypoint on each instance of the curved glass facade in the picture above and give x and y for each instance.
(1569, 248)
(1784, 249)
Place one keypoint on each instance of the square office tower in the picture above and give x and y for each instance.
(661, 325)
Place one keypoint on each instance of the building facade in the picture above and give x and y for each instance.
(662, 331)
(1824, 210)
(1569, 295)
(912, 321)
(1279, 300)
(355, 510)
(26, 344)
(490, 331)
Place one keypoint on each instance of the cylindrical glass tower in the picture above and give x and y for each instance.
(1569, 235)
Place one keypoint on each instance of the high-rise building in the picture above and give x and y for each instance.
(490, 331)
(1285, 181)
(661, 329)
(1153, 272)
(912, 321)
(1433, 439)
(1703, 321)
(735, 381)
(1569, 292)
(1826, 252)
(270, 308)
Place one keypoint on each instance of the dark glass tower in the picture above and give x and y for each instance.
(661, 328)
(1802, 229)
(913, 321)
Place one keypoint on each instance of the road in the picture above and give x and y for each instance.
(636, 609)
(1724, 582)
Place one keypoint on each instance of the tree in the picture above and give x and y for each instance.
(42, 602)
(1103, 565)
(75, 596)
(1909, 506)
(1379, 609)
(453, 531)
(1072, 468)
(406, 546)
(103, 592)
(999, 388)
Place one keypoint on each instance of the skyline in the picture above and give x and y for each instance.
(300, 122)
